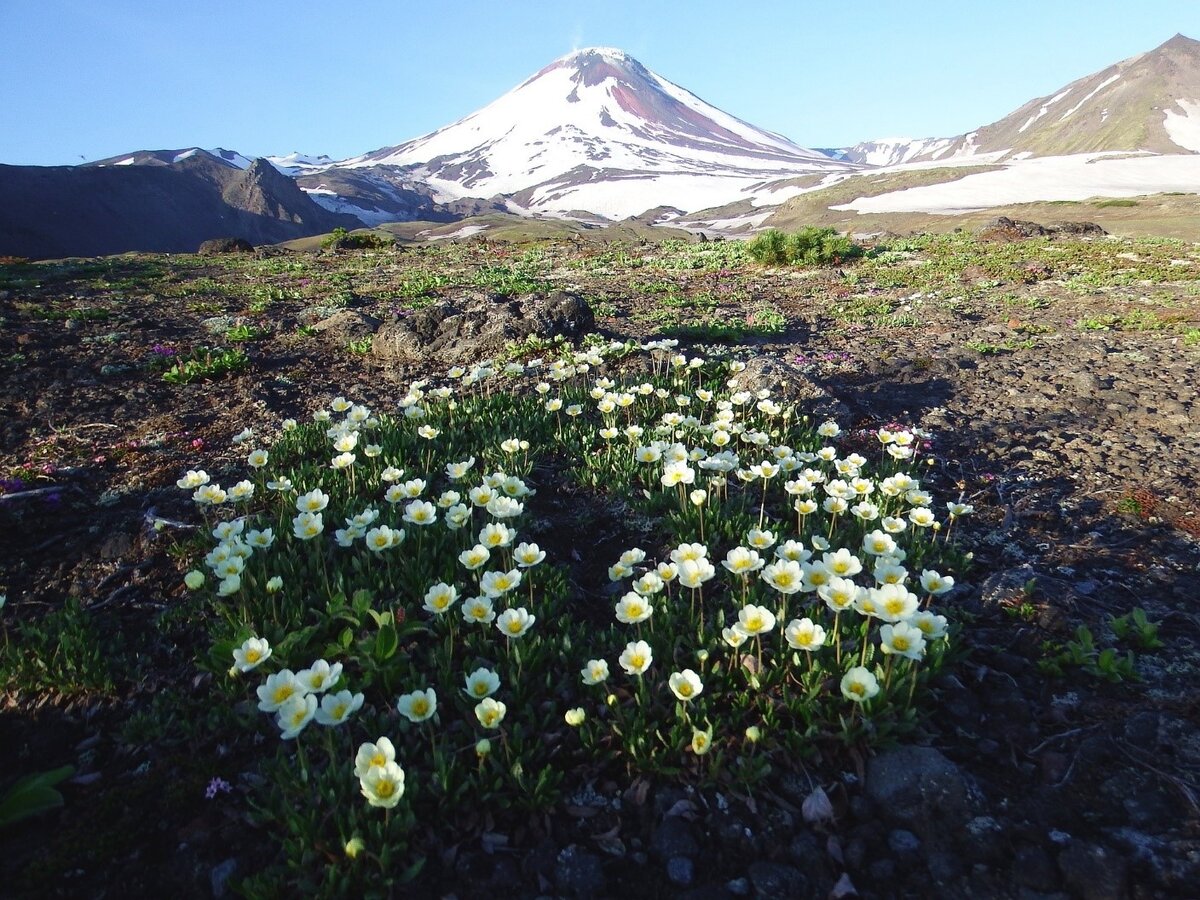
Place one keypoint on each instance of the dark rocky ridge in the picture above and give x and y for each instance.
(57, 211)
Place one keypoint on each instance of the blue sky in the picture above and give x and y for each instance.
(94, 78)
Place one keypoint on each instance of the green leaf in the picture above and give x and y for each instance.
(386, 643)
(33, 794)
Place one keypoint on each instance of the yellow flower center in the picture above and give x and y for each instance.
(385, 788)
(378, 759)
(900, 643)
(637, 660)
(283, 692)
(420, 706)
(514, 626)
(253, 656)
(317, 680)
(480, 689)
(685, 689)
(858, 689)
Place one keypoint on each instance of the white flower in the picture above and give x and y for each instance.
(192, 479)
(312, 502)
(482, 683)
(277, 689)
(934, 583)
(633, 608)
(636, 657)
(595, 672)
(528, 555)
(475, 557)
(337, 708)
(902, 639)
(418, 705)
(478, 610)
(694, 572)
(294, 715)
(742, 561)
(785, 576)
(755, 620)
(804, 634)
(371, 756)
(685, 685)
(859, 684)
(490, 712)
(319, 677)
(253, 653)
(497, 584)
(307, 525)
(440, 597)
(383, 786)
(513, 623)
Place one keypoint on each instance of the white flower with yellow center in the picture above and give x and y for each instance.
(475, 557)
(490, 712)
(902, 639)
(755, 620)
(312, 502)
(253, 653)
(695, 572)
(381, 538)
(932, 626)
(319, 677)
(194, 478)
(734, 636)
(307, 525)
(496, 534)
(922, 517)
(418, 705)
(878, 543)
(804, 634)
(685, 685)
(859, 685)
(513, 623)
(842, 563)
(632, 609)
(420, 512)
(439, 598)
(276, 690)
(890, 572)
(497, 584)
(383, 786)
(294, 714)
(260, 540)
(636, 658)
(894, 602)
(478, 610)
(793, 550)
(935, 583)
(760, 539)
(528, 555)
(336, 708)
(210, 495)
(481, 683)
(742, 561)
(785, 576)
(373, 756)
(595, 672)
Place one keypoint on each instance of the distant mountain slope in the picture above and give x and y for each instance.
(1149, 102)
(157, 204)
(596, 130)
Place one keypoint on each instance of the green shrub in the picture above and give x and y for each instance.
(341, 239)
(810, 246)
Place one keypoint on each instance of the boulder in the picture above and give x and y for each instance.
(918, 789)
(218, 246)
(472, 328)
(347, 325)
(788, 384)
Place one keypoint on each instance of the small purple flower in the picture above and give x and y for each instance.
(163, 350)
(217, 786)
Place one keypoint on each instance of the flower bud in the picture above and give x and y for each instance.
(483, 748)
(194, 580)
(274, 584)
(753, 734)
(354, 846)
(575, 717)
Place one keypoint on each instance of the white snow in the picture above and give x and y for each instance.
(300, 163)
(465, 231)
(126, 162)
(537, 138)
(186, 154)
(1076, 177)
(1097, 89)
(1045, 109)
(1183, 128)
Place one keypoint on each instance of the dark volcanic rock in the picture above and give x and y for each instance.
(919, 789)
(225, 245)
(473, 328)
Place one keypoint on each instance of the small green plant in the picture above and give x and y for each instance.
(205, 364)
(244, 331)
(809, 246)
(341, 239)
(361, 347)
(306, 330)
(1136, 627)
(32, 795)
(1083, 653)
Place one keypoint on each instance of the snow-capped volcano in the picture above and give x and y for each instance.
(596, 130)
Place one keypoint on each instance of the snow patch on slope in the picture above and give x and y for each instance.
(1076, 177)
(1183, 128)
(1045, 109)
(1097, 89)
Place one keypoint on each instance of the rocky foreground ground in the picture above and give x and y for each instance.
(1058, 377)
